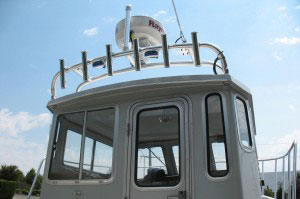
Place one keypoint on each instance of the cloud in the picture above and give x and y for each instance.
(13, 124)
(159, 13)
(286, 40)
(282, 8)
(297, 29)
(292, 107)
(276, 56)
(91, 32)
(298, 7)
(170, 19)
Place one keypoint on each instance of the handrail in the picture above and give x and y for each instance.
(291, 184)
(80, 70)
(35, 177)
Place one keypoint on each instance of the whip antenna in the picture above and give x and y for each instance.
(178, 22)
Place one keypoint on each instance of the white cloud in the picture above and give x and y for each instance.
(170, 19)
(159, 13)
(298, 7)
(276, 56)
(90, 32)
(292, 107)
(13, 124)
(286, 40)
(282, 8)
(297, 29)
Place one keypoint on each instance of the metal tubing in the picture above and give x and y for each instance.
(295, 170)
(283, 175)
(165, 48)
(35, 177)
(289, 176)
(137, 62)
(127, 27)
(196, 49)
(276, 180)
(82, 146)
(84, 66)
(109, 60)
(62, 73)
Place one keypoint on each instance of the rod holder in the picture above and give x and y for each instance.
(165, 48)
(196, 49)
(84, 66)
(62, 73)
(137, 62)
(109, 60)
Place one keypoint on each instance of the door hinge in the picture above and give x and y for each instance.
(128, 129)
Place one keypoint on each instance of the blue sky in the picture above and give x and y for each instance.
(260, 39)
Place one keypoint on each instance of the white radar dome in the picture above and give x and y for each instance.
(146, 29)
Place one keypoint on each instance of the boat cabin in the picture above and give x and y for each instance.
(185, 137)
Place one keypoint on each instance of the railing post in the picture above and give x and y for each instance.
(283, 181)
(276, 180)
(137, 62)
(165, 49)
(196, 49)
(109, 60)
(262, 173)
(289, 176)
(62, 73)
(84, 66)
(295, 170)
(35, 177)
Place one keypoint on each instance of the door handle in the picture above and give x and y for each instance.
(180, 195)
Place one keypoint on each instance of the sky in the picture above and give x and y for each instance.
(260, 39)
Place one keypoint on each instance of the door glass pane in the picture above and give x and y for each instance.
(98, 152)
(66, 147)
(243, 123)
(216, 151)
(157, 131)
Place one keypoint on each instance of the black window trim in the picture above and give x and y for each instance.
(207, 135)
(137, 137)
(248, 123)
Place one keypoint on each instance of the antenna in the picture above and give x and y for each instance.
(178, 22)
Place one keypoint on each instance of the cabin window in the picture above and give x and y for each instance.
(98, 153)
(216, 141)
(157, 132)
(98, 146)
(243, 122)
(66, 147)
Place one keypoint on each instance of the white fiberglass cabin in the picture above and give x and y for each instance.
(185, 137)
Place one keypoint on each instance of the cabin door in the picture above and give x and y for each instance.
(158, 165)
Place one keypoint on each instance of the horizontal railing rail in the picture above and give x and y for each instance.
(290, 187)
(134, 54)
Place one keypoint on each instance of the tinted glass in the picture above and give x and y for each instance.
(157, 131)
(216, 142)
(243, 123)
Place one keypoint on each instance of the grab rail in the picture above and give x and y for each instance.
(292, 175)
(35, 177)
(81, 68)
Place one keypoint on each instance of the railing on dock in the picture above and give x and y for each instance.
(290, 170)
(135, 61)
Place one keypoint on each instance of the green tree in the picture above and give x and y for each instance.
(11, 173)
(30, 177)
(268, 192)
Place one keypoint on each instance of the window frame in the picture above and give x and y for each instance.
(246, 107)
(54, 132)
(136, 118)
(207, 136)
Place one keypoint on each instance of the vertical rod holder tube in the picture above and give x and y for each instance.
(137, 62)
(165, 48)
(84, 66)
(62, 73)
(127, 28)
(109, 60)
(196, 54)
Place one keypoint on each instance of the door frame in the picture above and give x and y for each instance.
(184, 105)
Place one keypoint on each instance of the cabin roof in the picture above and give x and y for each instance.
(151, 83)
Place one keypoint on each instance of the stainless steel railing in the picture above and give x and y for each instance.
(82, 68)
(291, 171)
(35, 177)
